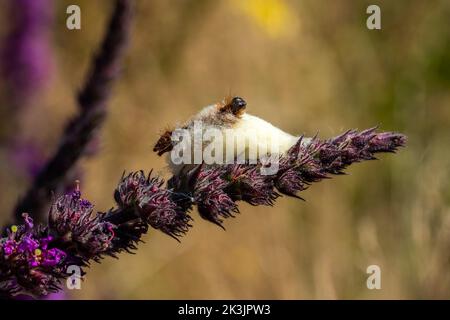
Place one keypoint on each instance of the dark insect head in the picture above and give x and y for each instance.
(235, 106)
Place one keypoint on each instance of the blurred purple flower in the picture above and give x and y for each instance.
(79, 134)
(27, 157)
(26, 65)
(60, 295)
(27, 55)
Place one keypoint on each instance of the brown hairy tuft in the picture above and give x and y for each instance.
(164, 143)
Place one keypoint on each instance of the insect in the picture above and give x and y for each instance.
(225, 132)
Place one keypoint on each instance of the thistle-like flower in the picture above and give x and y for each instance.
(212, 201)
(248, 184)
(72, 219)
(152, 203)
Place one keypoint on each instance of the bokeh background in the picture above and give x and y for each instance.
(307, 66)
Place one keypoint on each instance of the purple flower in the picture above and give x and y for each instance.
(247, 184)
(152, 203)
(52, 257)
(9, 246)
(27, 157)
(212, 201)
(27, 263)
(27, 56)
(27, 244)
(127, 191)
(289, 182)
(71, 219)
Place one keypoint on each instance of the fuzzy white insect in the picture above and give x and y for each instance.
(226, 133)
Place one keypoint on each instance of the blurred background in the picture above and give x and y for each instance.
(307, 66)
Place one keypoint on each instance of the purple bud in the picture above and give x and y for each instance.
(153, 203)
(248, 184)
(212, 201)
(290, 182)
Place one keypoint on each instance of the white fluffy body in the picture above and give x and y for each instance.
(264, 135)
(257, 136)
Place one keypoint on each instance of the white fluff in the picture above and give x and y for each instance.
(263, 135)
(257, 138)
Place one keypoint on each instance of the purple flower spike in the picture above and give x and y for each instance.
(33, 259)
